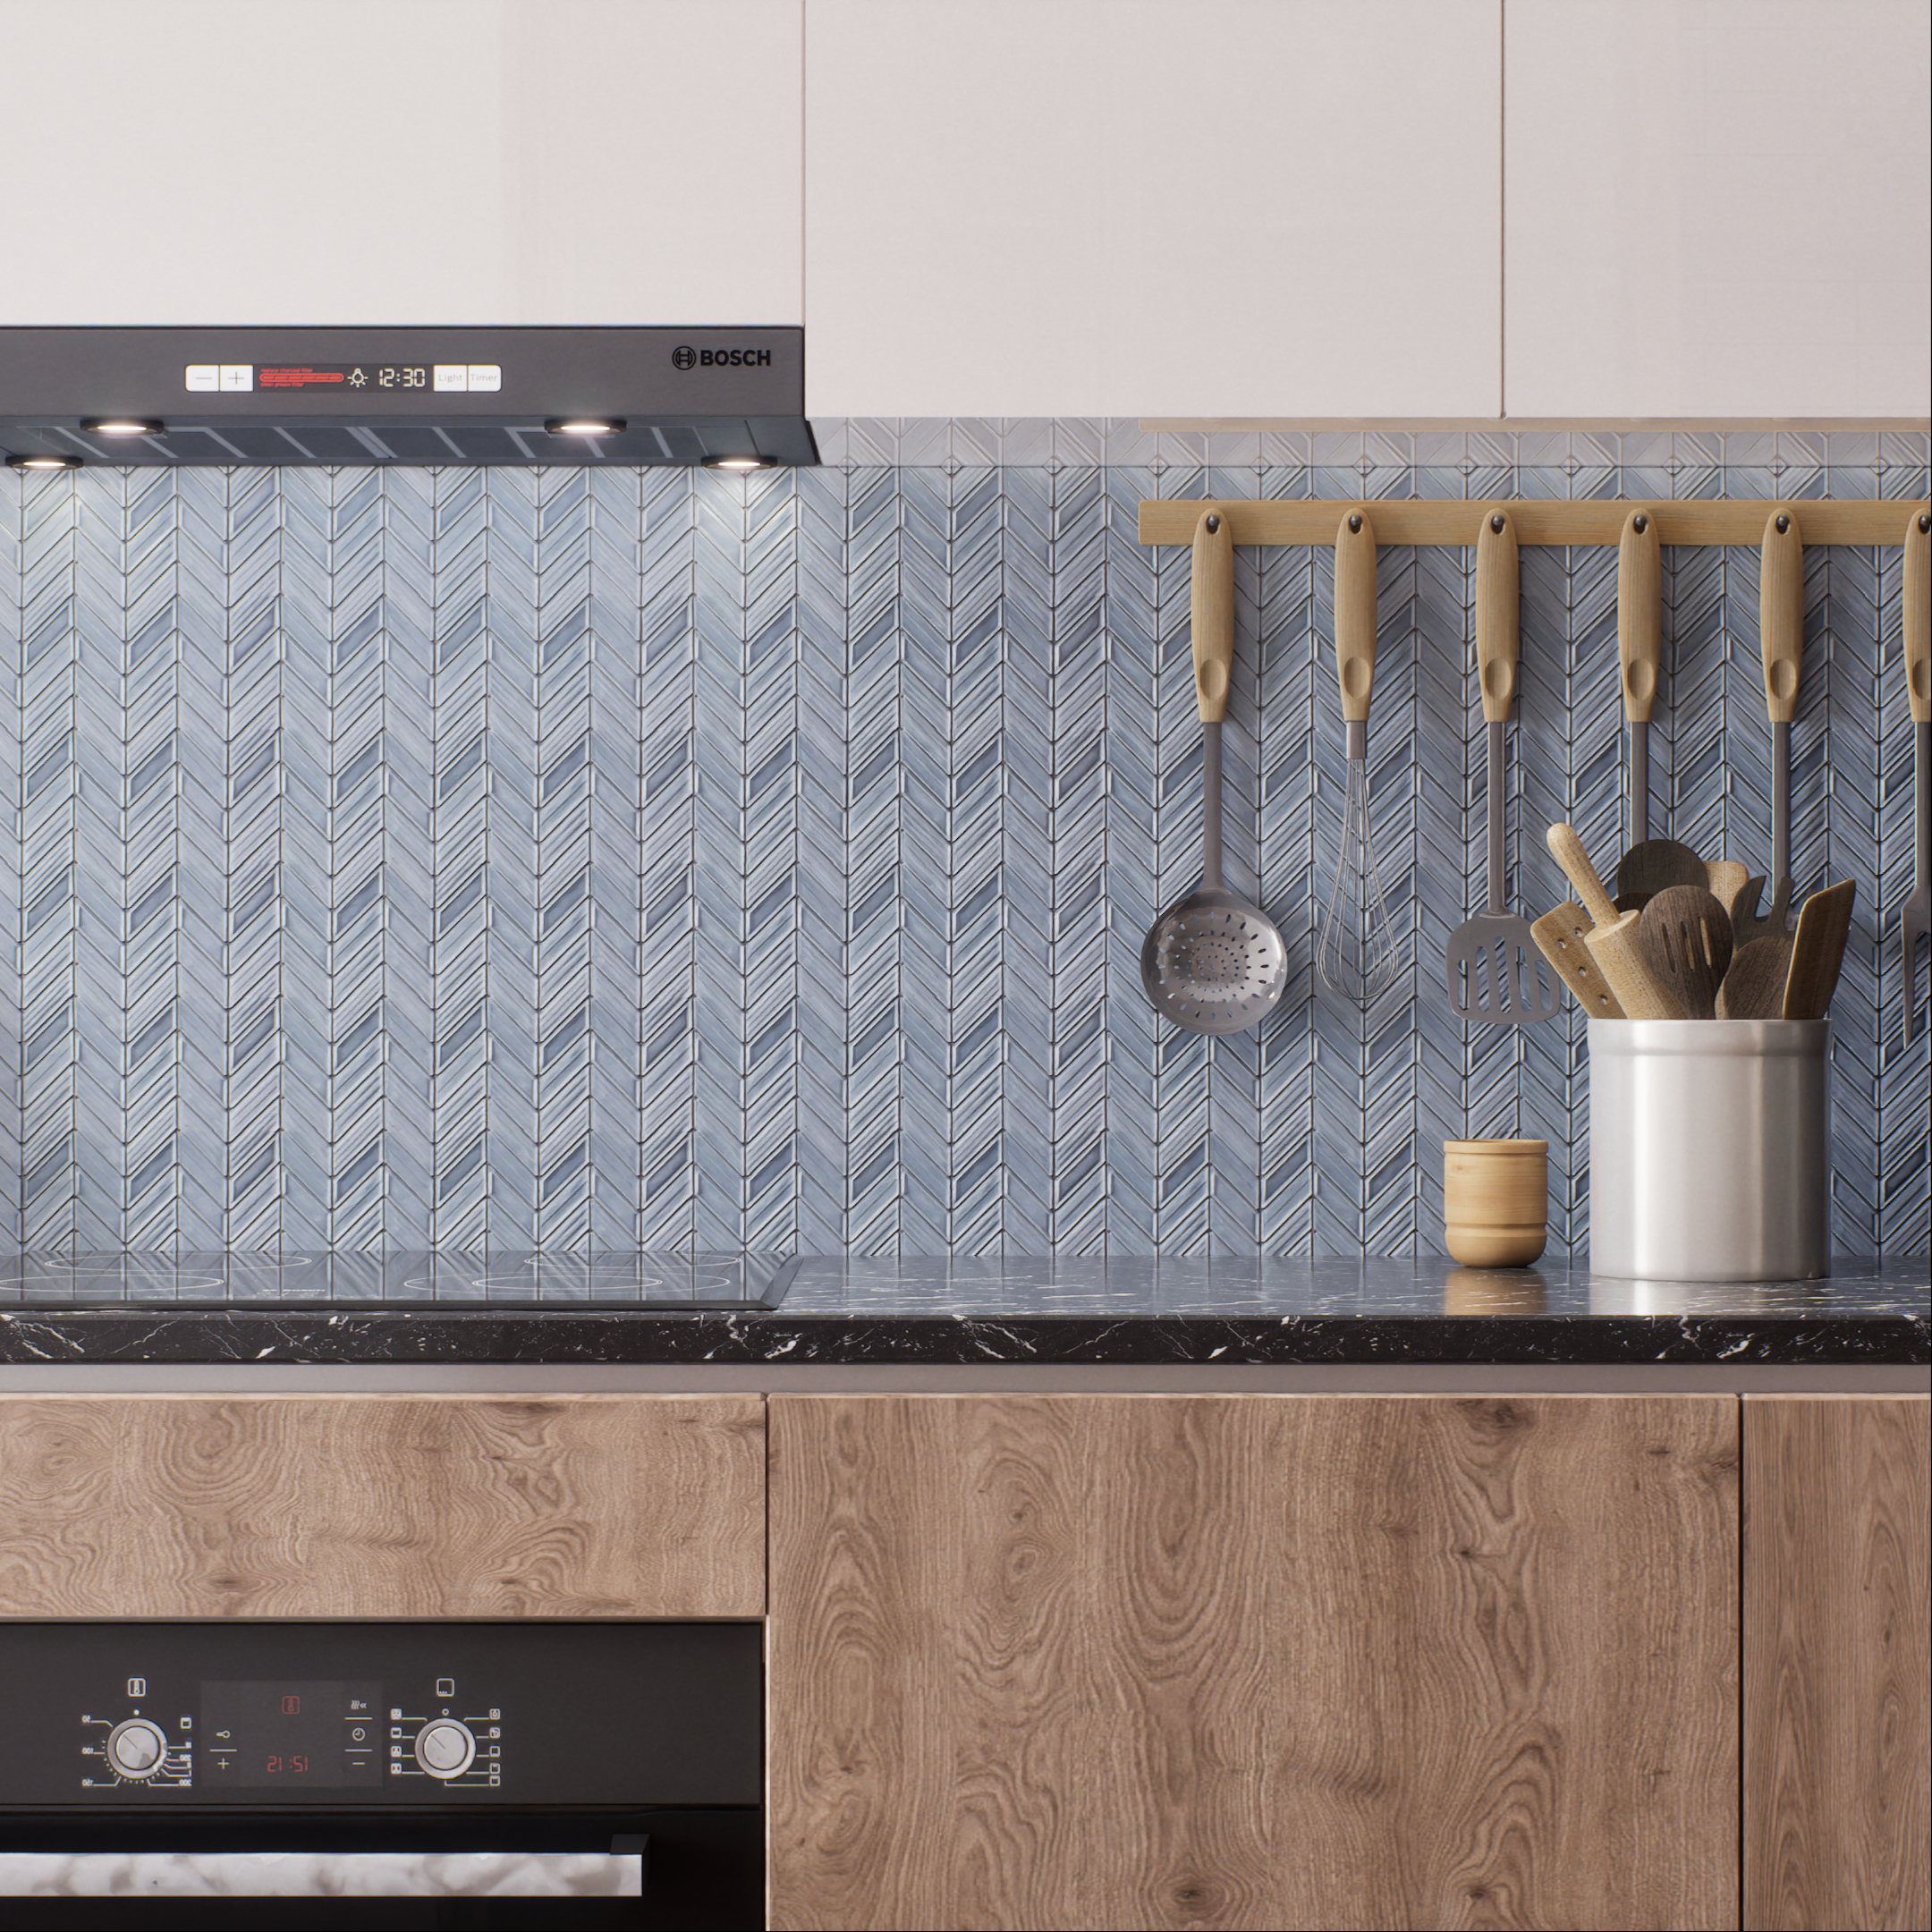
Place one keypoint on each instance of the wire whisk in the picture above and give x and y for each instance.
(1355, 949)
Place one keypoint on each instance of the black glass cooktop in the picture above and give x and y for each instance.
(669, 1283)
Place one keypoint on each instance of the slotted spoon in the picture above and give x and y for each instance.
(1211, 963)
(1493, 963)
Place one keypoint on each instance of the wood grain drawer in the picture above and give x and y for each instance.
(1263, 1661)
(1837, 1662)
(382, 1506)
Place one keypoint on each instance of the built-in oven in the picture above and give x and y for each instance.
(379, 1774)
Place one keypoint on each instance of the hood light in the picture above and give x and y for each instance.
(739, 462)
(132, 425)
(586, 426)
(43, 463)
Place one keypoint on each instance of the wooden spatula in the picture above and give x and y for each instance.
(1753, 985)
(1818, 951)
(1613, 941)
(1686, 939)
(1560, 936)
(1747, 924)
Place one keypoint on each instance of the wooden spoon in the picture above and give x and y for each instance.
(1612, 942)
(1686, 939)
(1818, 951)
(1753, 985)
(1656, 866)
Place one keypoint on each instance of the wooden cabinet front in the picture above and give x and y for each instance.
(1269, 1661)
(1837, 1664)
(382, 1506)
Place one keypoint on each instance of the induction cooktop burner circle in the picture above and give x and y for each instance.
(79, 1281)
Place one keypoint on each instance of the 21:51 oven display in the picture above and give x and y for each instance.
(313, 1732)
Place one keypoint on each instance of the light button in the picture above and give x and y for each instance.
(452, 375)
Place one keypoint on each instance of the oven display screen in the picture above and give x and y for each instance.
(287, 1731)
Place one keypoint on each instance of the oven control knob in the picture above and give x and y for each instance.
(135, 1749)
(445, 1748)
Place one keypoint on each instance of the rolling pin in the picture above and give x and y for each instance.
(1612, 943)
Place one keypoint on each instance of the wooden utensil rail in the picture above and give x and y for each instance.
(1600, 520)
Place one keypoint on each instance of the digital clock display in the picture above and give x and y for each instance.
(309, 1732)
(343, 376)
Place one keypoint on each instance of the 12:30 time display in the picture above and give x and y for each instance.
(402, 378)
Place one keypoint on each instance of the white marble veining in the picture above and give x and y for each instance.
(321, 1874)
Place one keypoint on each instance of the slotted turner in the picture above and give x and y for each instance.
(1493, 966)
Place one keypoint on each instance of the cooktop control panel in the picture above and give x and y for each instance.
(415, 1714)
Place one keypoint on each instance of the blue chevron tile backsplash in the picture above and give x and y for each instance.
(617, 859)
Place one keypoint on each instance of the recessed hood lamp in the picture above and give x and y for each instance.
(739, 462)
(43, 463)
(585, 426)
(118, 426)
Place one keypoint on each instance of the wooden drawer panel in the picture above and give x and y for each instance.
(1837, 1662)
(1264, 1661)
(382, 1505)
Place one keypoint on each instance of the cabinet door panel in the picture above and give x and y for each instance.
(351, 161)
(381, 1506)
(1837, 1667)
(1151, 207)
(1720, 210)
(1253, 1661)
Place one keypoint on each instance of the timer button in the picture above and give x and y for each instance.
(135, 1749)
(445, 1748)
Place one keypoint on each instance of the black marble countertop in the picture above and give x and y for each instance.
(733, 1310)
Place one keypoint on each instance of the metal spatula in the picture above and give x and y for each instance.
(1494, 964)
(1916, 914)
(1212, 962)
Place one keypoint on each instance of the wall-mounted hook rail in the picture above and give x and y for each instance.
(1599, 520)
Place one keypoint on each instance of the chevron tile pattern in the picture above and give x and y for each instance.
(659, 860)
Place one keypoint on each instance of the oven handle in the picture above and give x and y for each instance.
(75, 1830)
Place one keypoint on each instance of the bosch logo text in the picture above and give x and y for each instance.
(685, 357)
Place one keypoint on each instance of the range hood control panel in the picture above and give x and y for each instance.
(381, 1713)
(225, 397)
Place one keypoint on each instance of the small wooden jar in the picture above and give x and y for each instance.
(1496, 1201)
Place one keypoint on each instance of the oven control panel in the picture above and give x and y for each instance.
(286, 1734)
(421, 1713)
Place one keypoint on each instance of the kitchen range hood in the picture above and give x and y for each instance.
(222, 398)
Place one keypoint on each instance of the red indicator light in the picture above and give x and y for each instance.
(291, 1707)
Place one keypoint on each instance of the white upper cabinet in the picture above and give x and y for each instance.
(1718, 207)
(1152, 208)
(402, 161)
